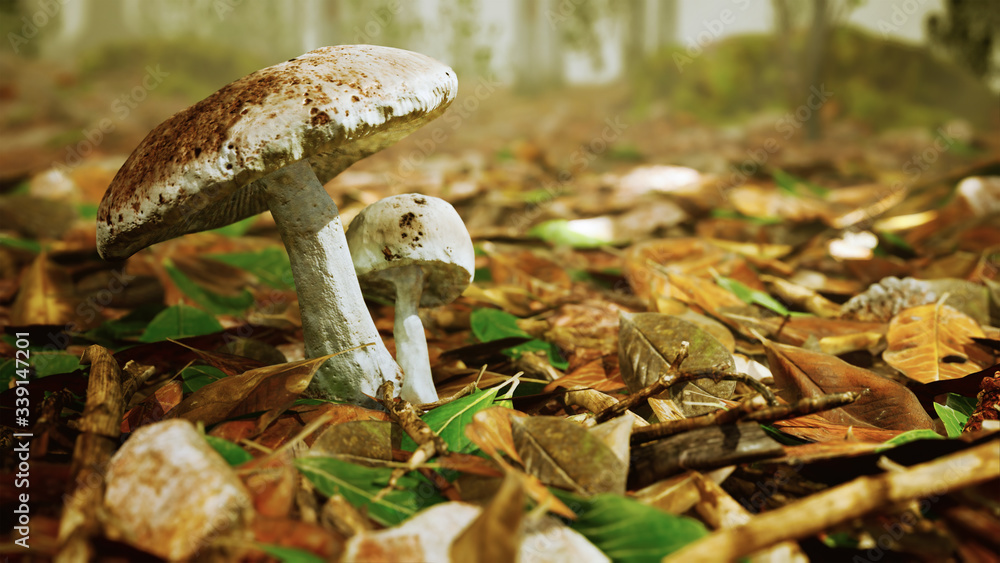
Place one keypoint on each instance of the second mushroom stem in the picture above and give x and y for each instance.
(411, 344)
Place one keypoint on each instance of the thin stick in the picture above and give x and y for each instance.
(747, 410)
(846, 502)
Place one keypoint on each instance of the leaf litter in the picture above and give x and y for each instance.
(871, 314)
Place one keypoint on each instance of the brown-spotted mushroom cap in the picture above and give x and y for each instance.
(409, 229)
(199, 169)
(415, 250)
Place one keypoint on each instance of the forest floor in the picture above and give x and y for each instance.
(682, 340)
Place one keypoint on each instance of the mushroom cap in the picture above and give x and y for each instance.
(412, 229)
(201, 169)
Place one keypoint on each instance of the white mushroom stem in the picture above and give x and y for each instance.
(411, 344)
(334, 315)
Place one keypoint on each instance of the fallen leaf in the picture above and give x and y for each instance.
(934, 342)
(649, 343)
(884, 404)
(563, 454)
(270, 388)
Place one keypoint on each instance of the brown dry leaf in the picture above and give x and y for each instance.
(273, 483)
(228, 364)
(758, 201)
(818, 429)
(563, 454)
(270, 388)
(593, 375)
(490, 429)
(884, 404)
(645, 264)
(540, 277)
(498, 526)
(362, 440)
(648, 345)
(934, 342)
(153, 408)
(46, 296)
(797, 330)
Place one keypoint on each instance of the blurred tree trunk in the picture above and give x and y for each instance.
(635, 37)
(786, 55)
(815, 56)
(666, 23)
(538, 60)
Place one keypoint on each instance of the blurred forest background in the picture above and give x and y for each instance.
(892, 64)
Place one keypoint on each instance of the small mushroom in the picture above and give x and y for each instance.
(269, 141)
(415, 250)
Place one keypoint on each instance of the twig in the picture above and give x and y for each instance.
(657, 387)
(100, 428)
(747, 410)
(429, 444)
(846, 502)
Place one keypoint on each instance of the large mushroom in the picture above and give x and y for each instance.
(415, 250)
(269, 141)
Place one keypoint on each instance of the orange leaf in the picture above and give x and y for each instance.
(933, 342)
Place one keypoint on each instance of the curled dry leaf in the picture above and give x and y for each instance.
(270, 388)
(884, 404)
(934, 342)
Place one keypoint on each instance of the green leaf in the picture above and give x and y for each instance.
(131, 325)
(196, 377)
(289, 554)
(733, 214)
(911, 436)
(359, 485)
(790, 184)
(449, 420)
(628, 531)
(964, 405)
(752, 296)
(895, 240)
(212, 302)
(953, 420)
(492, 324)
(236, 229)
(270, 265)
(20, 243)
(180, 321)
(87, 210)
(49, 363)
(233, 454)
(561, 232)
